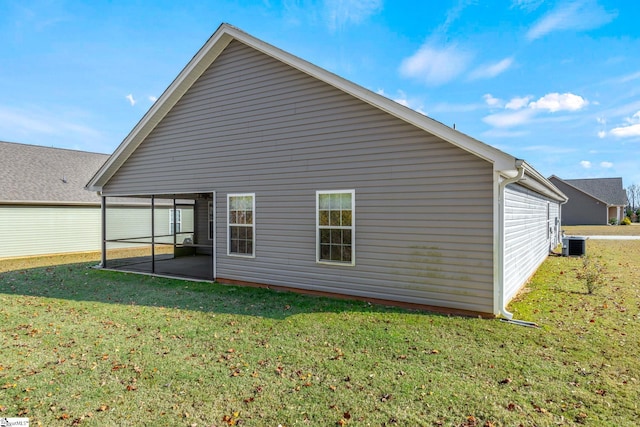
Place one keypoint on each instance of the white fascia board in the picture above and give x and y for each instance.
(538, 183)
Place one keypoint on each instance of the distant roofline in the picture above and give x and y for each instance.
(54, 148)
(566, 181)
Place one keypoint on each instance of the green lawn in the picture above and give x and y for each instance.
(85, 347)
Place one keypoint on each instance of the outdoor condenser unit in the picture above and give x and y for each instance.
(574, 246)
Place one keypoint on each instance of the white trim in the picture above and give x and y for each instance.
(352, 227)
(253, 225)
(178, 212)
(211, 223)
(214, 244)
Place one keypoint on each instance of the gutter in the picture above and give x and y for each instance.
(501, 299)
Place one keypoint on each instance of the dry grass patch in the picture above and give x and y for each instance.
(603, 230)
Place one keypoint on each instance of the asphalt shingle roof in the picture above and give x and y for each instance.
(609, 190)
(31, 173)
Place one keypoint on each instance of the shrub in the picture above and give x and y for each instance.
(613, 221)
(626, 221)
(592, 274)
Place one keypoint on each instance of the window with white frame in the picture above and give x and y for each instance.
(335, 226)
(178, 220)
(240, 224)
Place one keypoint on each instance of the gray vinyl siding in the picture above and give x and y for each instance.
(581, 209)
(250, 124)
(43, 230)
(531, 230)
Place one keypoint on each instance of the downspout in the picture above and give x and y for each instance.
(103, 230)
(501, 262)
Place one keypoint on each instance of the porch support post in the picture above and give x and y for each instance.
(153, 235)
(175, 225)
(214, 248)
(103, 231)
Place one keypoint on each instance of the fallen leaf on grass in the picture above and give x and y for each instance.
(471, 421)
(103, 408)
(505, 381)
(385, 398)
(513, 407)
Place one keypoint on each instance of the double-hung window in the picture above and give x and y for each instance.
(335, 227)
(177, 220)
(240, 224)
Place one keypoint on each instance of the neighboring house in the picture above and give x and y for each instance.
(304, 180)
(44, 208)
(595, 201)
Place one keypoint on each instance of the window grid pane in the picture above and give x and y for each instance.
(241, 225)
(335, 227)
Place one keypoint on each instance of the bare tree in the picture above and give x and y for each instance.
(633, 194)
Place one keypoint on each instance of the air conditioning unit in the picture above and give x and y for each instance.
(574, 246)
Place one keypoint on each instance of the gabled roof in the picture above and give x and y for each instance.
(43, 175)
(607, 190)
(226, 33)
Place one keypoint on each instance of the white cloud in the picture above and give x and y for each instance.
(491, 101)
(631, 129)
(402, 100)
(435, 65)
(626, 131)
(522, 111)
(602, 134)
(504, 133)
(585, 164)
(153, 98)
(131, 100)
(606, 165)
(343, 12)
(577, 15)
(509, 119)
(553, 102)
(518, 103)
(550, 149)
(489, 71)
(634, 119)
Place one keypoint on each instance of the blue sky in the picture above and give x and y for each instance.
(554, 82)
